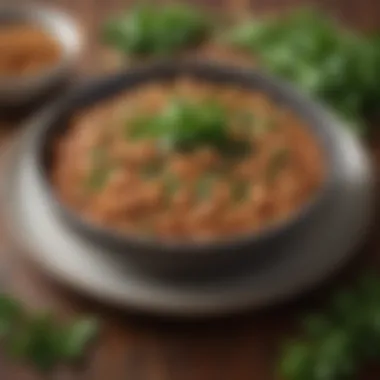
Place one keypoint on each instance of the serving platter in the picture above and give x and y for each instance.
(323, 245)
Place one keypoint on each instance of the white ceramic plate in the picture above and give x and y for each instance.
(323, 247)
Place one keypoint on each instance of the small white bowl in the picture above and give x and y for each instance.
(20, 90)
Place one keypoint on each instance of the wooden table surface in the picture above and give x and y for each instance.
(135, 347)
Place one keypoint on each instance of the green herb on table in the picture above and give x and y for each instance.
(337, 343)
(38, 339)
(321, 57)
(151, 30)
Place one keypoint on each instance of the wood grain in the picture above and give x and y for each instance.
(135, 347)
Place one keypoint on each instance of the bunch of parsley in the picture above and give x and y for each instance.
(147, 30)
(339, 341)
(309, 49)
(38, 339)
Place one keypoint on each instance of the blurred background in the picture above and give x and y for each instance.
(362, 14)
(132, 347)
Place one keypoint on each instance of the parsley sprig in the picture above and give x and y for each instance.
(185, 125)
(337, 342)
(38, 339)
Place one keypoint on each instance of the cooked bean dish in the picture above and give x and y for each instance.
(187, 160)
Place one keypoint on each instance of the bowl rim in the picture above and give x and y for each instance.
(210, 71)
(57, 24)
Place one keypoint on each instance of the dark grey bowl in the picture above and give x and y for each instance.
(178, 258)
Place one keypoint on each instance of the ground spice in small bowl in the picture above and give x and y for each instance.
(27, 50)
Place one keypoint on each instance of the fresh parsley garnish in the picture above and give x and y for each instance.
(204, 187)
(186, 125)
(100, 169)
